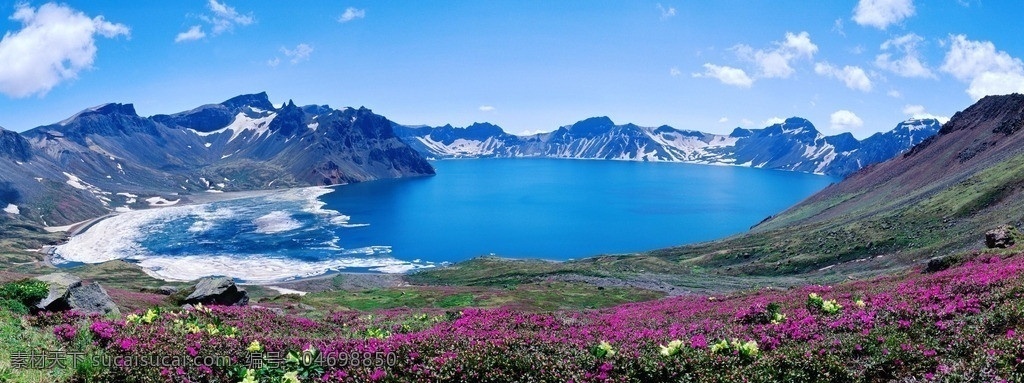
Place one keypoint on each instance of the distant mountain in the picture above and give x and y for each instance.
(883, 146)
(937, 199)
(109, 157)
(973, 168)
(791, 145)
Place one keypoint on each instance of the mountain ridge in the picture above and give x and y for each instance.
(794, 144)
(102, 158)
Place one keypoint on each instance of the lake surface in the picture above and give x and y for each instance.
(562, 209)
(519, 208)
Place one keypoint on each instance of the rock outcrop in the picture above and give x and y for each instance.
(1000, 237)
(217, 291)
(67, 292)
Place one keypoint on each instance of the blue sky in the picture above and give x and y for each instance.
(527, 66)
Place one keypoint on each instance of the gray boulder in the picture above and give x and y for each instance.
(92, 299)
(218, 291)
(60, 285)
(167, 290)
(67, 292)
(1000, 237)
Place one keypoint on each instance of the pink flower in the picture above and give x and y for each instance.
(126, 343)
(103, 330)
(65, 332)
(377, 374)
(698, 341)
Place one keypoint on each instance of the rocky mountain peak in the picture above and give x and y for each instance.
(14, 146)
(111, 109)
(798, 121)
(843, 142)
(740, 132)
(602, 122)
(1004, 111)
(485, 128)
(257, 100)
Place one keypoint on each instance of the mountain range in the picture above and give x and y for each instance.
(793, 145)
(108, 157)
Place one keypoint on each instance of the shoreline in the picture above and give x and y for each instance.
(74, 230)
(704, 163)
(186, 200)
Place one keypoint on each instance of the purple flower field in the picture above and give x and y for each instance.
(964, 324)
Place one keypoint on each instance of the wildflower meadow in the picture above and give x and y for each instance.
(963, 324)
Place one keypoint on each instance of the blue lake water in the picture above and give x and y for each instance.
(519, 208)
(562, 209)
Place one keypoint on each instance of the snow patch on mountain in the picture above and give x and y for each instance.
(160, 201)
(241, 124)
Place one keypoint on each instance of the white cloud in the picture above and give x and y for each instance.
(351, 14)
(532, 132)
(666, 12)
(54, 45)
(674, 72)
(894, 93)
(882, 13)
(993, 83)
(193, 33)
(918, 112)
(773, 64)
(723, 120)
(845, 120)
(223, 18)
(989, 71)
(967, 59)
(776, 62)
(486, 108)
(299, 54)
(727, 75)
(837, 27)
(773, 121)
(226, 17)
(801, 44)
(854, 77)
(910, 65)
(913, 109)
(274, 62)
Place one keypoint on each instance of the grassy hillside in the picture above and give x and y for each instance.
(19, 240)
